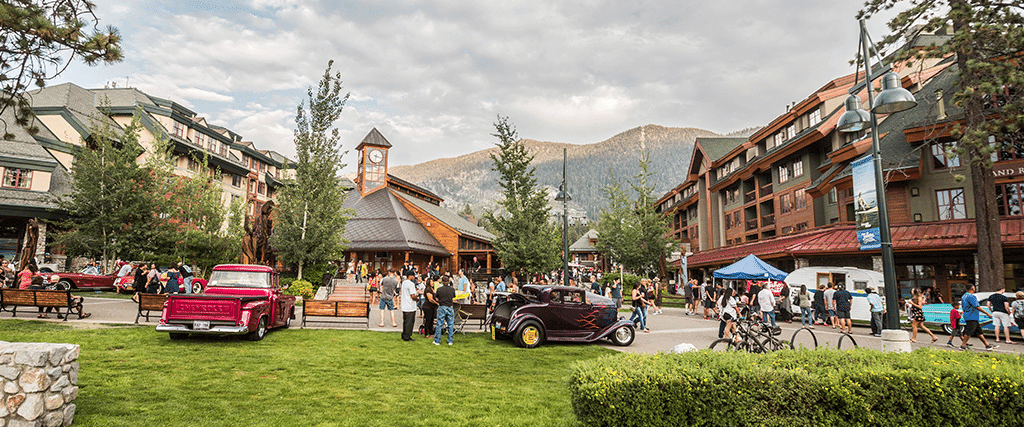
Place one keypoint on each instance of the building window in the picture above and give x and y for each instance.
(783, 174)
(18, 178)
(193, 165)
(236, 180)
(224, 150)
(800, 199)
(262, 188)
(943, 155)
(814, 117)
(801, 226)
(179, 129)
(798, 168)
(833, 196)
(951, 204)
(790, 131)
(200, 140)
(777, 140)
(1008, 199)
(785, 203)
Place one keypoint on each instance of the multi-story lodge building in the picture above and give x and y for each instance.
(785, 193)
(36, 167)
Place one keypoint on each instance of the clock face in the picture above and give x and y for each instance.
(376, 156)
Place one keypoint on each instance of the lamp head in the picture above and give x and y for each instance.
(894, 98)
(855, 119)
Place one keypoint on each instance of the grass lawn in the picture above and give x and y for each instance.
(134, 376)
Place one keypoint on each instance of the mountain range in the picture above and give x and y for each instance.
(468, 179)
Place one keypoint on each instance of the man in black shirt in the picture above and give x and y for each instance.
(843, 300)
(1000, 313)
(445, 312)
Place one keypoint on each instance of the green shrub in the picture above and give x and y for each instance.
(628, 280)
(285, 281)
(301, 288)
(805, 387)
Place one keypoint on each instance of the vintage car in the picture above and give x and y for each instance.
(558, 313)
(938, 314)
(85, 281)
(238, 299)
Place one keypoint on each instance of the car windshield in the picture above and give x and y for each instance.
(240, 279)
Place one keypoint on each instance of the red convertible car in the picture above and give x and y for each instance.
(558, 313)
(83, 280)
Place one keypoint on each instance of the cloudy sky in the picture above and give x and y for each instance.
(433, 75)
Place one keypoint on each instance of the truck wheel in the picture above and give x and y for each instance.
(529, 335)
(197, 288)
(288, 319)
(178, 335)
(623, 336)
(260, 332)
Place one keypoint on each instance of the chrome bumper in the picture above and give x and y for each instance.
(213, 329)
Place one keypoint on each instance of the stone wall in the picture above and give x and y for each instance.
(39, 384)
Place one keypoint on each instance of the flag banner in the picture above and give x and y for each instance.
(866, 204)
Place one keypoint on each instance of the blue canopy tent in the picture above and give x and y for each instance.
(750, 268)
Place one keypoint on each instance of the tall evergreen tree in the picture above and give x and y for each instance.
(526, 241)
(631, 231)
(310, 220)
(988, 41)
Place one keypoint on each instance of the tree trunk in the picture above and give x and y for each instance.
(986, 212)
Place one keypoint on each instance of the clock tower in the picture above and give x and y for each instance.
(373, 163)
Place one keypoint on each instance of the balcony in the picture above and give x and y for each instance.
(751, 224)
(766, 190)
(768, 220)
(750, 196)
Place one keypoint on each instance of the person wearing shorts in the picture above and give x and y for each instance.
(969, 302)
(954, 323)
(842, 300)
(1001, 313)
(387, 297)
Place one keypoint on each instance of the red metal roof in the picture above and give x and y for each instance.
(842, 239)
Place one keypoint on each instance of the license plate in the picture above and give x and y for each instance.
(201, 324)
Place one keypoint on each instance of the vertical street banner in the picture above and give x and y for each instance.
(865, 203)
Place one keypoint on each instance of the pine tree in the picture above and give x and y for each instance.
(988, 41)
(526, 242)
(310, 220)
(41, 37)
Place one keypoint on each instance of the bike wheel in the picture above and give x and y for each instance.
(773, 344)
(846, 342)
(723, 344)
(804, 338)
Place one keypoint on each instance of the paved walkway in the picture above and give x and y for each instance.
(667, 330)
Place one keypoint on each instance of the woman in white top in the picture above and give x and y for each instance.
(727, 320)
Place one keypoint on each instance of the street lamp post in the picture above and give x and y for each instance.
(892, 99)
(563, 196)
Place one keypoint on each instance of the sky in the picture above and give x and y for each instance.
(433, 76)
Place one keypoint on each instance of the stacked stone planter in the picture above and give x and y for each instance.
(39, 384)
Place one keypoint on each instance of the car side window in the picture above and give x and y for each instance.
(556, 297)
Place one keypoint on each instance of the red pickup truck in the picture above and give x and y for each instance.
(238, 299)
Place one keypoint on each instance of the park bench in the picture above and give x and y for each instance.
(349, 312)
(148, 303)
(467, 312)
(36, 298)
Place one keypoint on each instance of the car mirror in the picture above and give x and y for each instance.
(285, 287)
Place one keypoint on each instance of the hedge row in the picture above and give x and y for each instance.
(805, 387)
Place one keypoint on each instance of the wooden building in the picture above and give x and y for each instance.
(397, 221)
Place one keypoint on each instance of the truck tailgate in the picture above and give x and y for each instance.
(202, 307)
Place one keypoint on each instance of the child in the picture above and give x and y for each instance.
(954, 322)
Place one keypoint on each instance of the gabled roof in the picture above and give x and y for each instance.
(448, 218)
(374, 138)
(382, 223)
(583, 243)
(718, 147)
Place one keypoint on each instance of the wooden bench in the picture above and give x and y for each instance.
(347, 311)
(150, 302)
(469, 312)
(37, 298)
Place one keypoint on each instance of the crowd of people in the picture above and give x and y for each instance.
(29, 277)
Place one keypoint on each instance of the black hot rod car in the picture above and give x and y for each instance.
(558, 313)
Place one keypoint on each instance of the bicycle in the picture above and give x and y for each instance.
(752, 335)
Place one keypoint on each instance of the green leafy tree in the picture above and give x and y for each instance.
(988, 42)
(40, 38)
(526, 241)
(112, 206)
(630, 231)
(310, 220)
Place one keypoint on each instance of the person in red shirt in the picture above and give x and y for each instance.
(25, 276)
(954, 322)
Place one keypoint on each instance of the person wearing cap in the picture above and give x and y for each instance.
(877, 311)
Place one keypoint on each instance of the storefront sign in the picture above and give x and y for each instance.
(866, 204)
(1008, 169)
